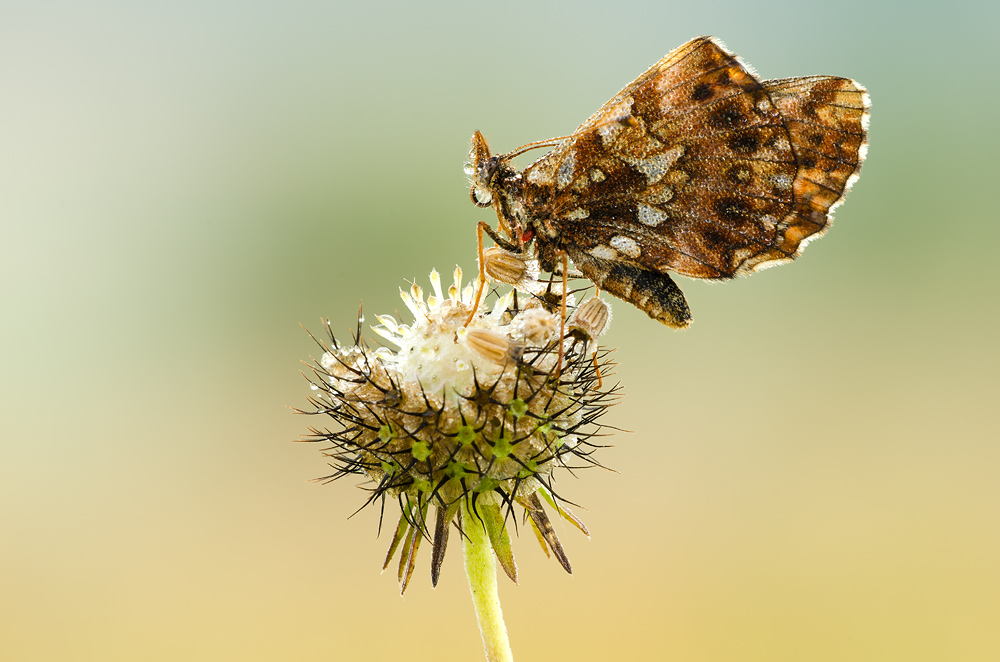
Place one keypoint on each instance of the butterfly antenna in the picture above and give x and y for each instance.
(551, 142)
(625, 119)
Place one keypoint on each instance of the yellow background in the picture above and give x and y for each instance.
(813, 468)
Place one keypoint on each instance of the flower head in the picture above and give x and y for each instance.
(480, 414)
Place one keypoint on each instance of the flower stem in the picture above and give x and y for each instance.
(480, 568)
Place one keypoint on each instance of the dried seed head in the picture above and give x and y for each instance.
(511, 268)
(590, 319)
(493, 346)
(538, 325)
(474, 415)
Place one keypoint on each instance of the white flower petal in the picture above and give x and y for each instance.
(436, 284)
(388, 335)
(389, 322)
(501, 306)
(411, 304)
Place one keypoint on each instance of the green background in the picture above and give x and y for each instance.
(812, 472)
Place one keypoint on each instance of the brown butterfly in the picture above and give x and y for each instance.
(696, 167)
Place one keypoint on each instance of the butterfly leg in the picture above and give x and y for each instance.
(562, 311)
(497, 239)
(597, 366)
(482, 267)
(502, 243)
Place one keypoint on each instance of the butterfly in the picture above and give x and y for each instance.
(696, 168)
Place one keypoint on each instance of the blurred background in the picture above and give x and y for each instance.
(812, 468)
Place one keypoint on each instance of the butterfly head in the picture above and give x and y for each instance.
(482, 169)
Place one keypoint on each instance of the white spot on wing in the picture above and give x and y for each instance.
(625, 245)
(604, 252)
(659, 195)
(610, 130)
(540, 176)
(578, 214)
(651, 215)
(657, 165)
(740, 255)
(596, 175)
(565, 174)
(782, 181)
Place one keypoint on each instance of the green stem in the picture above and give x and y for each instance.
(481, 569)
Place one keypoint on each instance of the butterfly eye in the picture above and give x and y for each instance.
(492, 167)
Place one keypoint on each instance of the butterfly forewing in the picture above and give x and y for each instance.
(697, 168)
(694, 166)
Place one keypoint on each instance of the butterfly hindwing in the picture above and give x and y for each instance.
(697, 167)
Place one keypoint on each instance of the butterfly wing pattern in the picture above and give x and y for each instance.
(697, 168)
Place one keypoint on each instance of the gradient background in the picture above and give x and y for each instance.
(813, 472)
